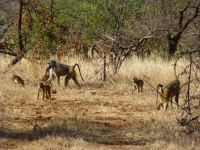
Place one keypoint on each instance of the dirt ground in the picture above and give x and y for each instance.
(98, 116)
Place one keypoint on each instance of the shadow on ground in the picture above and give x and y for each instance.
(98, 132)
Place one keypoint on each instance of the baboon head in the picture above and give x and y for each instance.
(52, 64)
(161, 87)
(41, 85)
(135, 79)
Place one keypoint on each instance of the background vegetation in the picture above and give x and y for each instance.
(49, 26)
(112, 40)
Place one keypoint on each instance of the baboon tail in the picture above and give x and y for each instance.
(79, 70)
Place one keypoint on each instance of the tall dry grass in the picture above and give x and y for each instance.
(95, 107)
(155, 69)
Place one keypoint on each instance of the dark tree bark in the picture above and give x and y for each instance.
(51, 35)
(172, 44)
(20, 36)
(20, 40)
(104, 68)
(20, 54)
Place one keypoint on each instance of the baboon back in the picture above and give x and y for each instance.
(62, 69)
(173, 88)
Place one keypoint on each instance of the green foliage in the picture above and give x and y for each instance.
(67, 23)
(81, 16)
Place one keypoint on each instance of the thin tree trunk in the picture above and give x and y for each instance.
(104, 68)
(172, 45)
(52, 23)
(20, 38)
(188, 90)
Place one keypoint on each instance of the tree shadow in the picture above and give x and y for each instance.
(104, 133)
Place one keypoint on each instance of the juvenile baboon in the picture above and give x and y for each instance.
(138, 84)
(45, 89)
(58, 69)
(45, 77)
(168, 92)
(18, 79)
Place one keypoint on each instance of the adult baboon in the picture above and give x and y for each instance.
(17, 79)
(168, 92)
(58, 69)
(45, 89)
(138, 84)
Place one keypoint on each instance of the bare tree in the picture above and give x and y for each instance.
(192, 94)
(173, 39)
(20, 54)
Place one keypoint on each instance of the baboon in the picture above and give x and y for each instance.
(45, 89)
(168, 92)
(45, 77)
(58, 69)
(138, 84)
(18, 79)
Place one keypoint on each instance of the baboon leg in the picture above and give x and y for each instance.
(49, 94)
(138, 89)
(46, 94)
(67, 78)
(76, 81)
(141, 88)
(160, 105)
(135, 88)
(166, 105)
(58, 79)
(171, 104)
(43, 95)
(176, 99)
(38, 94)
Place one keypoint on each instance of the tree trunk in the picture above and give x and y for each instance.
(172, 44)
(104, 68)
(51, 37)
(183, 24)
(20, 39)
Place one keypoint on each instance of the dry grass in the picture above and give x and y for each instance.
(99, 116)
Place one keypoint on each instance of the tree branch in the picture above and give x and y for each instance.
(7, 52)
(183, 27)
(182, 15)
